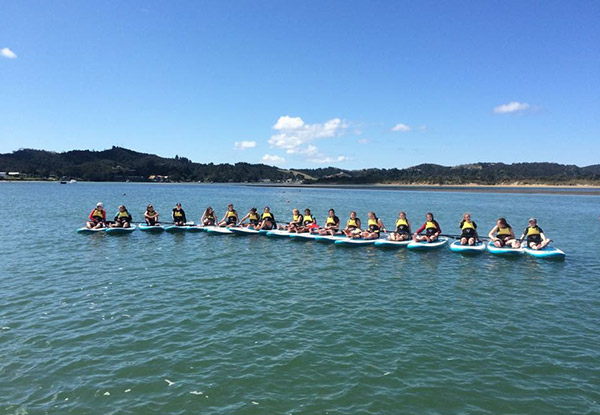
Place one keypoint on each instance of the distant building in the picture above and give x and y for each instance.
(2, 174)
(14, 174)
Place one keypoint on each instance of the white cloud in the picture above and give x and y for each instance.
(401, 127)
(511, 107)
(363, 141)
(326, 159)
(295, 136)
(7, 53)
(269, 158)
(243, 145)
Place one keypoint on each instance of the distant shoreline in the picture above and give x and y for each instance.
(578, 189)
(470, 188)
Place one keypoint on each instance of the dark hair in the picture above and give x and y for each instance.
(332, 211)
(429, 213)
(307, 210)
(253, 209)
(504, 223)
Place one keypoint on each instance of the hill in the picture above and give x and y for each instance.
(120, 164)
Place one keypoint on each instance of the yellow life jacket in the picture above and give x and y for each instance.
(533, 230)
(467, 225)
(401, 222)
(231, 213)
(122, 214)
(98, 213)
(352, 223)
(308, 219)
(330, 221)
(253, 216)
(296, 218)
(503, 231)
(430, 225)
(266, 215)
(373, 225)
(152, 214)
(177, 213)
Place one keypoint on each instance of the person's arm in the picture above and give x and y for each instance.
(358, 224)
(173, 215)
(183, 216)
(146, 216)
(381, 225)
(493, 231)
(439, 229)
(421, 229)
(408, 223)
(91, 216)
(244, 218)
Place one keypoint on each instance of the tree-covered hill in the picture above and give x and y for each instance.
(120, 164)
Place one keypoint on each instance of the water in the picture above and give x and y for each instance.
(94, 324)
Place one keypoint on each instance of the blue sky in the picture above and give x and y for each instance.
(305, 84)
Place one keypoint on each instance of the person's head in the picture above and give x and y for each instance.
(122, 208)
(502, 222)
(372, 215)
(230, 207)
(331, 213)
(295, 212)
(150, 208)
(307, 211)
(353, 214)
(253, 210)
(532, 221)
(178, 205)
(267, 209)
(402, 215)
(208, 210)
(99, 205)
(429, 216)
(467, 216)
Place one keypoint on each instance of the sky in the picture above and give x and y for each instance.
(351, 84)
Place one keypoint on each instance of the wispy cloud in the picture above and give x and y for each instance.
(7, 53)
(363, 141)
(271, 158)
(400, 127)
(244, 145)
(511, 107)
(327, 159)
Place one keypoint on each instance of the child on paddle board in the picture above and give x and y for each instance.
(252, 217)
(468, 230)
(97, 217)
(151, 216)
(309, 224)
(178, 215)
(432, 230)
(332, 224)
(231, 217)
(402, 232)
(296, 221)
(503, 235)
(352, 229)
(208, 217)
(267, 220)
(374, 227)
(535, 236)
(122, 218)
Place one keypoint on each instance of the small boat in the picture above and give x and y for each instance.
(278, 233)
(386, 243)
(151, 228)
(217, 230)
(305, 236)
(504, 251)
(244, 231)
(354, 242)
(93, 230)
(547, 252)
(176, 228)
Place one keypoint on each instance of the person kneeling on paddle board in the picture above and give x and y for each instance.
(432, 230)
(402, 232)
(353, 225)
(468, 230)
(332, 224)
(535, 236)
(374, 227)
(296, 221)
(151, 216)
(309, 224)
(231, 217)
(97, 218)
(208, 217)
(502, 235)
(178, 215)
(252, 217)
(267, 220)
(122, 218)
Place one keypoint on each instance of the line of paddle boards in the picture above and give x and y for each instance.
(549, 252)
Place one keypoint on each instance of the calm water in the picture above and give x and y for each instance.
(94, 324)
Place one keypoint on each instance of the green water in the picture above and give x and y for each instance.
(95, 324)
